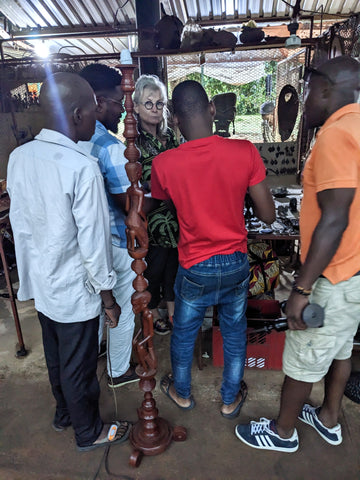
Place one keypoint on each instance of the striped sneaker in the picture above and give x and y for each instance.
(309, 415)
(261, 435)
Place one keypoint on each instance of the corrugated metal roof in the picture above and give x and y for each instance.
(207, 11)
(101, 26)
(65, 13)
(71, 13)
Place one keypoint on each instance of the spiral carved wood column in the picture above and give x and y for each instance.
(151, 434)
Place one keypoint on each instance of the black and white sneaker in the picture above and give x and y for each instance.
(262, 435)
(331, 435)
(129, 377)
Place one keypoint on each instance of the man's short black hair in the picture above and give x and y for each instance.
(101, 77)
(189, 98)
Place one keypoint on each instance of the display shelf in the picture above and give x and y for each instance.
(270, 42)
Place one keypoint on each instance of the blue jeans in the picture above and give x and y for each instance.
(221, 280)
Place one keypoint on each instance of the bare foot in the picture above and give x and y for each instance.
(103, 433)
(183, 402)
(167, 387)
(230, 408)
(233, 409)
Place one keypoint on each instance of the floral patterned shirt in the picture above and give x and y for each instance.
(163, 227)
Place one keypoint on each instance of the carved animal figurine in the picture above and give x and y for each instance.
(144, 348)
(136, 232)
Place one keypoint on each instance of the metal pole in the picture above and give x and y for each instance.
(22, 352)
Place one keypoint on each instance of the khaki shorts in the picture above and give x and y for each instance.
(309, 353)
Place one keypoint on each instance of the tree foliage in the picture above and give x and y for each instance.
(249, 96)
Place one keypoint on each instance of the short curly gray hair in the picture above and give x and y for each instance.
(153, 83)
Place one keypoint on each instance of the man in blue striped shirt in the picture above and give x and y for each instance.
(106, 83)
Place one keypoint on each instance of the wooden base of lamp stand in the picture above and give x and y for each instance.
(151, 434)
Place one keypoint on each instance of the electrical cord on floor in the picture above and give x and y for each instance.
(110, 368)
(101, 462)
(105, 457)
(124, 477)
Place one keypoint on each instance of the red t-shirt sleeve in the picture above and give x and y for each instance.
(258, 173)
(157, 189)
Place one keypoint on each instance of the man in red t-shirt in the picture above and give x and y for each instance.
(207, 179)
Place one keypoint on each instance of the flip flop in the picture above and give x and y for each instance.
(118, 432)
(165, 384)
(243, 390)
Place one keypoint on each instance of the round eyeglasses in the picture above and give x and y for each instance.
(149, 105)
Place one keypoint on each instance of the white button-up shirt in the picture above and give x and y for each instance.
(60, 220)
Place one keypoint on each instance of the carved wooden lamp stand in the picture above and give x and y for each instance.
(151, 434)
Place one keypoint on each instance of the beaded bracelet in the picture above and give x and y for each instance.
(111, 306)
(301, 290)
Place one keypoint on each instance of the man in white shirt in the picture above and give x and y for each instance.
(60, 222)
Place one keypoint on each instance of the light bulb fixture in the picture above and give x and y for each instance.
(133, 43)
(293, 41)
(42, 49)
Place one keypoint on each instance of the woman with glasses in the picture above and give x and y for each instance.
(150, 106)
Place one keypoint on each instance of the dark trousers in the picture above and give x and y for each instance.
(162, 265)
(71, 358)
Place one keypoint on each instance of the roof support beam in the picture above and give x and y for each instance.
(147, 15)
(88, 32)
(276, 43)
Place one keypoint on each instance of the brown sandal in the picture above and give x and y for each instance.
(243, 390)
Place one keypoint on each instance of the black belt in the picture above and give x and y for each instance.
(355, 275)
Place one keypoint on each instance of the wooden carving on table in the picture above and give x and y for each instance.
(151, 434)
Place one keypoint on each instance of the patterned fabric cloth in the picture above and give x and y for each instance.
(264, 269)
(163, 228)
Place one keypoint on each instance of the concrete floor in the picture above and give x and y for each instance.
(30, 449)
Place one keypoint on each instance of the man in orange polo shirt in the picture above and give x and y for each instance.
(330, 272)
